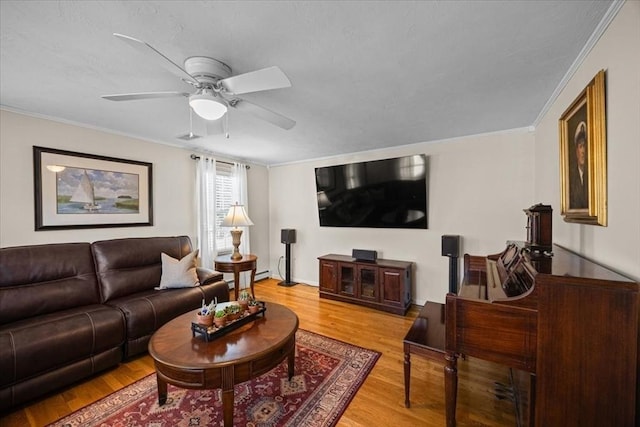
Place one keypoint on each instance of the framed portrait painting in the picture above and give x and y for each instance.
(583, 156)
(77, 190)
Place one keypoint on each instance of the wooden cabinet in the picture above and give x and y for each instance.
(329, 276)
(392, 283)
(383, 285)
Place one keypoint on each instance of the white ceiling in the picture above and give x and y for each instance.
(365, 75)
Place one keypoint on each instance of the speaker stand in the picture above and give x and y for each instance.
(287, 282)
(453, 274)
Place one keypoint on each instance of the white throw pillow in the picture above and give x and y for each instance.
(179, 273)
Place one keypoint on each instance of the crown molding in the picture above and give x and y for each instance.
(595, 36)
(526, 129)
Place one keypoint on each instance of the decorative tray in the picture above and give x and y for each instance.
(212, 332)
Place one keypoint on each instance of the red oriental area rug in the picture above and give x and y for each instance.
(328, 374)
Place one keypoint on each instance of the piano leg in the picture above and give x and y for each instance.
(451, 387)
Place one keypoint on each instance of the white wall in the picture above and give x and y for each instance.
(173, 184)
(258, 211)
(618, 244)
(478, 187)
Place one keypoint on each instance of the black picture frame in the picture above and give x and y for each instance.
(66, 197)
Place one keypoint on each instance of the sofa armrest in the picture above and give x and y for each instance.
(206, 275)
(215, 291)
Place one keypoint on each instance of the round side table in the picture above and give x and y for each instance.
(224, 264)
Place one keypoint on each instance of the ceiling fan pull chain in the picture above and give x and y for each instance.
(190, 122)
(226, 125)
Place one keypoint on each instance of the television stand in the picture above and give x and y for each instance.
(383, 284)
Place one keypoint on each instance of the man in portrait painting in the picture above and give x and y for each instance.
(578, 171)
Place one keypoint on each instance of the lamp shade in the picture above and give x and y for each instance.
(236, 217)
(207, 106)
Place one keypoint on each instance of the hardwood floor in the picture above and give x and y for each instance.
(380, 400)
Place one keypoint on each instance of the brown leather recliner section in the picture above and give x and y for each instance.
(53, 328)
(128, 271)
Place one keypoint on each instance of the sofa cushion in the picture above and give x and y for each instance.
(145, 312)
(39, 385)
(128, 266)
(179, 273)
(41, 279)
(41, 344)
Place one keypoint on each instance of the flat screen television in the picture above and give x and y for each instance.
(390, 193)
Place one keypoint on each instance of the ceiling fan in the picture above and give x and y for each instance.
(215, 88)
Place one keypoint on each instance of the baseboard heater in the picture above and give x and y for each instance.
(263, 275)
(260, 275)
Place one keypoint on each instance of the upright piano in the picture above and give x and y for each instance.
(566, 324)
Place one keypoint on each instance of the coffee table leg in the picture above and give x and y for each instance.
(227, 395)
(253, 279)
(162, 390)
(291, 362)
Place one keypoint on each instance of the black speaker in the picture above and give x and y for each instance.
(288, 235)
(364, 255)
(451, 246)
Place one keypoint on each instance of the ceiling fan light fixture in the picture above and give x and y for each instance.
(207, 106)
(216, 86)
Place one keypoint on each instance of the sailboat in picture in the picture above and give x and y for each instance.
(85, 194)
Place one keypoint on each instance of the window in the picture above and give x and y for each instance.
(217, 190)
(224, 185)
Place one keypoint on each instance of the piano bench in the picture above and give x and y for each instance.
(425, 338)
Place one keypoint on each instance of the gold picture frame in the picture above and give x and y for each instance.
(583, 156)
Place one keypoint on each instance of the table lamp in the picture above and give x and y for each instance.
(236, 217)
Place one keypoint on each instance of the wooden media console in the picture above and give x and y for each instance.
(382, 284)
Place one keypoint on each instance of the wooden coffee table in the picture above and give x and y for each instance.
(240, 355)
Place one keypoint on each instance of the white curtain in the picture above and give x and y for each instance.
(206, 210)
(239, 193)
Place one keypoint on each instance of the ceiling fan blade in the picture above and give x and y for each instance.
(255, 81)
(165, 62)
(143, 95)
(263, 113)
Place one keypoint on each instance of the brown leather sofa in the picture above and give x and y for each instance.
(70, 310)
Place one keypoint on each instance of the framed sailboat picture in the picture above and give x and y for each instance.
(78, 190)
